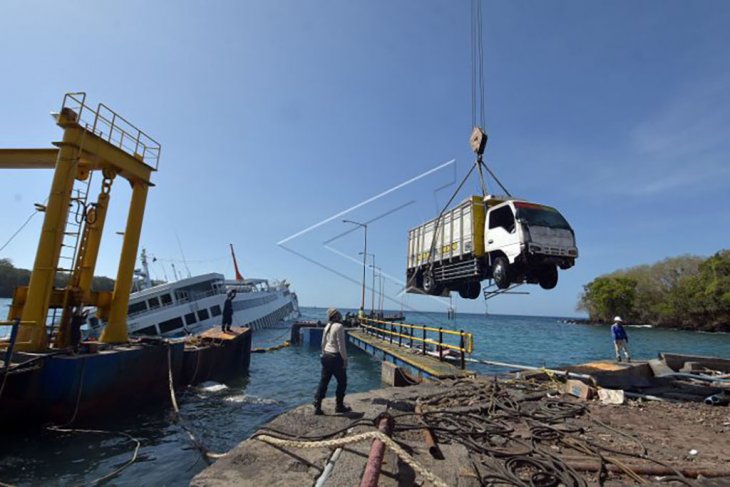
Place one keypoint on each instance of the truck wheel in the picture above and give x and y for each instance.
(547, 276)
(471, 290)
(429, 283)
(500, 272)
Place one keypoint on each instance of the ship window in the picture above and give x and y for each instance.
(202, 314)
(502, 217)
(215, 310)
(170, 325)
(150, 330)
(137, 307)
(190, 318)
(166, 299)
(154, 303)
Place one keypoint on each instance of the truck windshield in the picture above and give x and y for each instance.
(540, 216)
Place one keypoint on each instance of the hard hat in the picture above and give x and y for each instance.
(617, 319)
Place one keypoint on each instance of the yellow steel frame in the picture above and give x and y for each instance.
(468, 337)
(83, 149)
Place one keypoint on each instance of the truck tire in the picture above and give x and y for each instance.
(429, 283)
(470, 290)
(501, 272)
(547, 276)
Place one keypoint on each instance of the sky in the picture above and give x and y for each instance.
(279, 119)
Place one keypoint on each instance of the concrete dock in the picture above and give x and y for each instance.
(255, 463)
(506, 432)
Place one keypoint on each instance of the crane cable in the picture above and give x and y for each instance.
(478, 119)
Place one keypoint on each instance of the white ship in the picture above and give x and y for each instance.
(196, 303)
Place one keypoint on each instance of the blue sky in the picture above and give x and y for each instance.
(274, 116)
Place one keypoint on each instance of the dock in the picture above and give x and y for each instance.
(534, 432)
(410, 358)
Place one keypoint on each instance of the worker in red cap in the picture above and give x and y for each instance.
(334, 362)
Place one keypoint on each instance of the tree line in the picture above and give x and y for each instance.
(12, 277)
(688, 292)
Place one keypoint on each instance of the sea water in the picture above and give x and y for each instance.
(222, 415)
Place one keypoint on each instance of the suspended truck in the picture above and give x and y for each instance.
(509, 240)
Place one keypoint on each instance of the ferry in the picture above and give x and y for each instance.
(195, 304)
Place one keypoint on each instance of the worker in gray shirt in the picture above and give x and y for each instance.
(334, 362)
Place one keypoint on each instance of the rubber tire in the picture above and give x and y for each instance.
(500, 272)
(428, 283)
(547, 277)
(470, 290)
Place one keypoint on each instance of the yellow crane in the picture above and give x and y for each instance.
(94, 140)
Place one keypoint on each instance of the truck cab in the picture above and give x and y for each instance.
(527, 242)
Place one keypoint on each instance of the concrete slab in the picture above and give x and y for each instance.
(617, 375)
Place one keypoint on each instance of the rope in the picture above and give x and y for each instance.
(207, 455)
(25, 223)
(116, 471)
(340, 442)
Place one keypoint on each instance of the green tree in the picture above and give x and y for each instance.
(605, 297)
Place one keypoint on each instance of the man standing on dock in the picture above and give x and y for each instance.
(620, 339)
(334, 362)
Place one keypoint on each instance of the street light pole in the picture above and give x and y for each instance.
(364, 256)
(372, 300)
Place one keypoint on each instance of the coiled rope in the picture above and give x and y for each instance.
(348, 440)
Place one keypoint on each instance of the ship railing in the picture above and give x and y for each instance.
(112, 127)
(421, 337)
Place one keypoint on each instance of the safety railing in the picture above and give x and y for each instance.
(115, 129)
(417, 337)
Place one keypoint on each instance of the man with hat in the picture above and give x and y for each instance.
(334, 362)
(620, 339)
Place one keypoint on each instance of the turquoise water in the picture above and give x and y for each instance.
(280, 380)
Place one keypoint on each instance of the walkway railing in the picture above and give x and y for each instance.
(115, 129)
(417, 337)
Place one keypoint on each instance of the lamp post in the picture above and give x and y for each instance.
(372, 300)
(364, 256)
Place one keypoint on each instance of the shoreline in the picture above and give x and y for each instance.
(588, 322)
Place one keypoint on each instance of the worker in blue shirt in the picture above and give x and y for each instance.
(620, 339)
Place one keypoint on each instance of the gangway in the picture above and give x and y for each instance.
(438, 353)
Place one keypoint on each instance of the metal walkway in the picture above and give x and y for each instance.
(411, 358)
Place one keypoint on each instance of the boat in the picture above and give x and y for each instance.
(195, 304)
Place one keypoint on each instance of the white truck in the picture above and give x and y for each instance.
(508, 240)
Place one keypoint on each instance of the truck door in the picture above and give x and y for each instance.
(502, 233)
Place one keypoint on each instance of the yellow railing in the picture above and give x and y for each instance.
(387, 331)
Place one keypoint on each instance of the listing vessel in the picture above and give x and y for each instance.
(195, 303)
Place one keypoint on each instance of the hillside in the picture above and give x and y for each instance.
(12, 277)
(687, 292)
